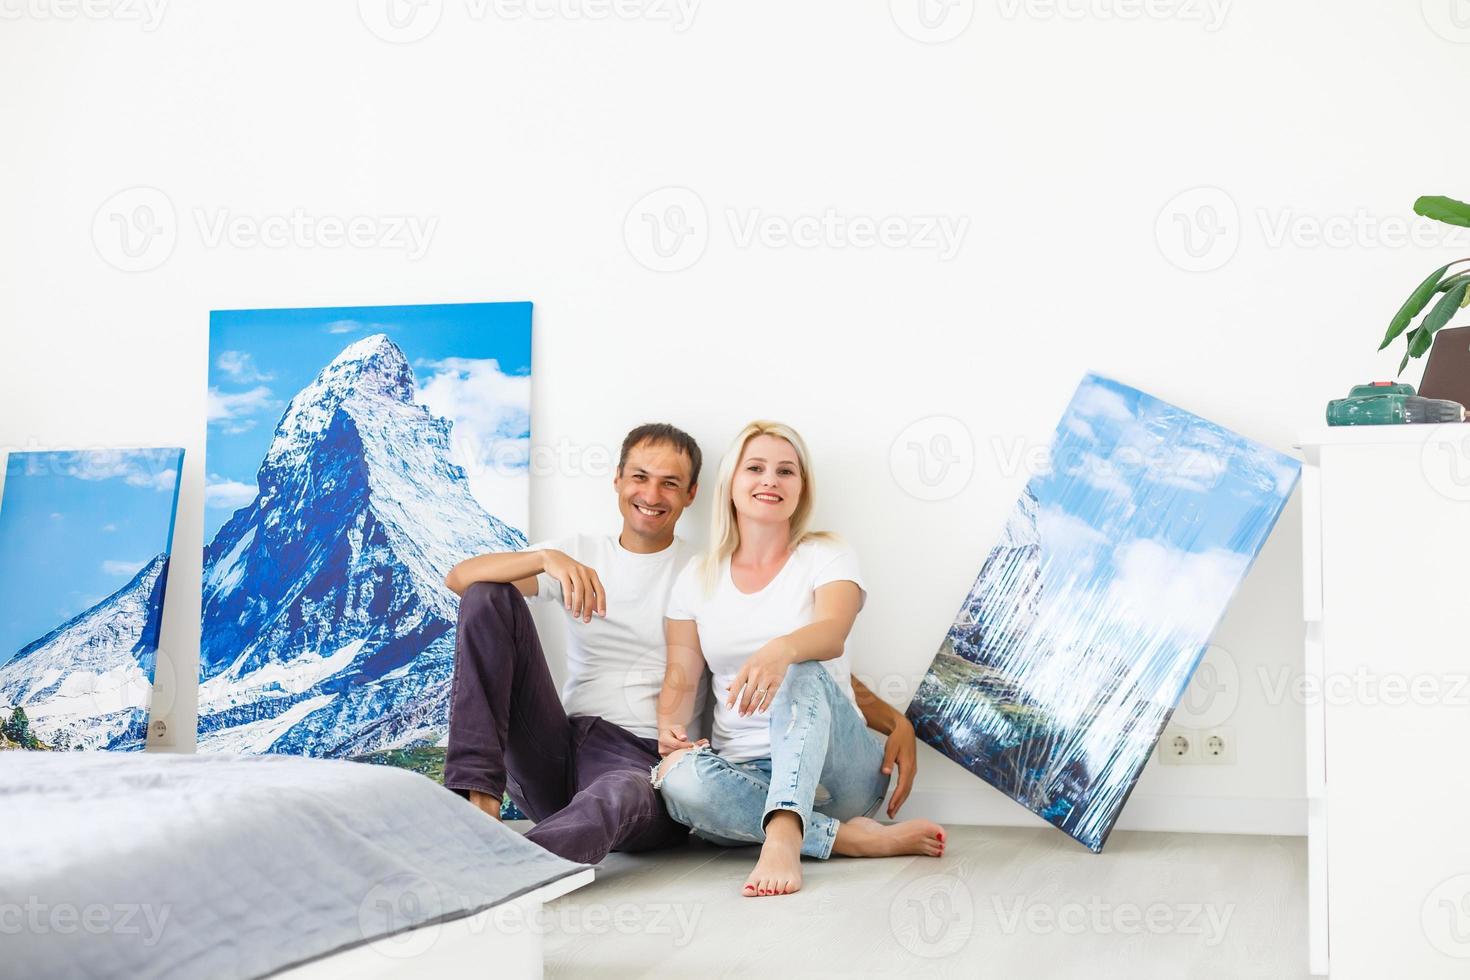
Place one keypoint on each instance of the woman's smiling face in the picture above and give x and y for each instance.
(767, 484)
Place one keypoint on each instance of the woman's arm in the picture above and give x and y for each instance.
(682, 674)
(901, 748)
(835, 607)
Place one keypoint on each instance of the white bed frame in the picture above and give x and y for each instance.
(504, 940)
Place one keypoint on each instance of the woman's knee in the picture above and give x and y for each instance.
(677, 779)
(801, 679)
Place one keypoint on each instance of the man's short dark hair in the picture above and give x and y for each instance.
(661, 433)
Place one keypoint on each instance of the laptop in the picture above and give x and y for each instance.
(1447, 375)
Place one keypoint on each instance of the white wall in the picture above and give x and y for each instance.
(1061, 134)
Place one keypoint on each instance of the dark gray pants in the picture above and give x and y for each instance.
(585, 781)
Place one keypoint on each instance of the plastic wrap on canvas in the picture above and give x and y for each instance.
(1086, 621)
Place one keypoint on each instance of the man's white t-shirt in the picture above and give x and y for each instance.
(615, 664)
(733, 625)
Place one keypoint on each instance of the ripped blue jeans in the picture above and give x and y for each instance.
(824, 767)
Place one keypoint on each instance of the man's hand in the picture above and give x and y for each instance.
(581, 589)
(675, 737)
(759, 677)
(901, 750)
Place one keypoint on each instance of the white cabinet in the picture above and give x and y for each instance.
(1386, 560)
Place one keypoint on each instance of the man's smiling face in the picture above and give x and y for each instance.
(653, 490)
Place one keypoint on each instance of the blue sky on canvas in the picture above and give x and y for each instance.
(471, 362)
(1149, 519)
(74, 528)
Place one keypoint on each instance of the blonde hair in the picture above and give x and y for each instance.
(724, 532)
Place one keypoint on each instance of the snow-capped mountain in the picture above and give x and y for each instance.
(87, 683)
(327, 627)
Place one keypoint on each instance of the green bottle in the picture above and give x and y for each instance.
(1387, 403)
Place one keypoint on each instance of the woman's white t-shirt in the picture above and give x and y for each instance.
(733, 625)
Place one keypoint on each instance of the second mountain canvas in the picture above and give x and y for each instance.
(354, 455)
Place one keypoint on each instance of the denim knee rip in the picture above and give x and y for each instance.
(657, 780)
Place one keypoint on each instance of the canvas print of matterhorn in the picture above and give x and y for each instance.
(354, 455)
(1086, 621)
(85, 539)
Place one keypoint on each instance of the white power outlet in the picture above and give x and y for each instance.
(1177, 747)
(1217, 747)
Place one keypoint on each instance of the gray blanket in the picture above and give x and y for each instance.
(146, 865)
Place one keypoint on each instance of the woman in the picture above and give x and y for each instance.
(769, 608)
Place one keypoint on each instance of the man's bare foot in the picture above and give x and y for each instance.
(778, 872)
(489, 804)
(864, 837)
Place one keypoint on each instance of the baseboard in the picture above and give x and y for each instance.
(1174, 814)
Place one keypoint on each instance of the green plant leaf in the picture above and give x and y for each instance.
(1446, 209)
(1416, 302)
(1448, 305)
(1450, 281)
(1404, 363)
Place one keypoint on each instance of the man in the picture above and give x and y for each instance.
(582, 771)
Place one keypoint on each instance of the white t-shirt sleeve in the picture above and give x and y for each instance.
(548, 589)
(688, 592)
(836, 562)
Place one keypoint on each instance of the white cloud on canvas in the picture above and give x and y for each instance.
(491, 412)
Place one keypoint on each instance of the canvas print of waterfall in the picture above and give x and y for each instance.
(1088, 618)
(85, 538)
(354, 455)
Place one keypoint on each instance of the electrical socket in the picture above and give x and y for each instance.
(1217, 746)
(1177, 747)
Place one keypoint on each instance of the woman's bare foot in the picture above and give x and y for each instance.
(778, 872)
(864, 837)
(489, 804)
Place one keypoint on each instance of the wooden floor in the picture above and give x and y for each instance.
(1002, 902)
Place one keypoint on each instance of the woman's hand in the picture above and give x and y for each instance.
(754, 687)
(900, 749)
(676, 737)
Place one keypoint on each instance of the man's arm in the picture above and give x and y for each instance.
(901, 747)
(581, 590)
(519, 568)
